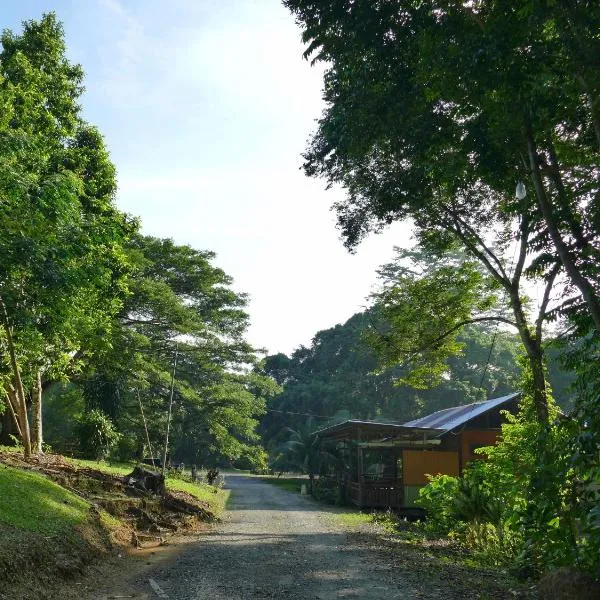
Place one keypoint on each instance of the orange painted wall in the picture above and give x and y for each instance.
(475, 438)
(417, 464)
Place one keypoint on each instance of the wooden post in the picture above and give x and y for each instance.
(360, 469)
(164, 464)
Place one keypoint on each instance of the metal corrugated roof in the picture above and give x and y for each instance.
(451, 418)
(378, 427)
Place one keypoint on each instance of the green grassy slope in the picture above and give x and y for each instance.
(48, 534)
(32, 502)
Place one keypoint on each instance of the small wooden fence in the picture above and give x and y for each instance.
(372, 494)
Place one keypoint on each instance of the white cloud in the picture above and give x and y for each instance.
(122, 53)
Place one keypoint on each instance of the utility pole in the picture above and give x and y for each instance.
(164, 465)
(146, 428)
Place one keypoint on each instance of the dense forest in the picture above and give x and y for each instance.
(338, 377)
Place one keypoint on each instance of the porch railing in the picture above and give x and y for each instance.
(376, 494)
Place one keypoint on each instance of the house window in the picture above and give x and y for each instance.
(399, 468)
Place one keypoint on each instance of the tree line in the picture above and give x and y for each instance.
(342, 375)
(103, 321)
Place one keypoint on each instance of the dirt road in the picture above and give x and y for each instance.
(272, 544)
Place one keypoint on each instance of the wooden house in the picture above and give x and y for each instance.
(385, 464)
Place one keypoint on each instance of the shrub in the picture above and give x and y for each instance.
(97, 434)
(476, 498)
(492, 545)
(438, 500)
(124, 450)
(211, 476)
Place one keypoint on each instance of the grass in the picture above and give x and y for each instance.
(215, 497)
(34, 503)
(48, 534)
(354, 519)
(100, 465)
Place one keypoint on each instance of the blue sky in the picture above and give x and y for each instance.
(206, 106)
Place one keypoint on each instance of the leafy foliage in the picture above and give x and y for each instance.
(437, 498)
(180, 302)
(339, 377)
(97, 435)
(63, 268)
(85, 298)
(434, 112)
(425, 302)
(520, 506)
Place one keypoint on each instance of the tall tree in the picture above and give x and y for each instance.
(435, 111)
(430, 90)
(339, 376)
(62, 266)
(180, 299)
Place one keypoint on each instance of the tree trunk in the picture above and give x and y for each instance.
(19, 393)
(545, 206)
(22, 414)
(13, 424)
(569, 215)
(36, 413)
(535, 356)
(532, 344)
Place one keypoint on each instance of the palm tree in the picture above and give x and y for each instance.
(304, 451)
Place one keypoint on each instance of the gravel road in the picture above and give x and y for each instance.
(272, 544)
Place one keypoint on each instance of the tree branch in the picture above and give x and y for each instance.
(434, 343)
(546, 299)
(518, 272)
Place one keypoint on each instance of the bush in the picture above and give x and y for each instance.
(476, 499)
(124, 450)
(520, 506)
(492, 545)
(211, 476)
(438, 500)
(97, 435)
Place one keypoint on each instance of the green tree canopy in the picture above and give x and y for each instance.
(62, 264)
(179, 299)
(435, 112)
(339, 376)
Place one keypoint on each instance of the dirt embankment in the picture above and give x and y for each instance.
(120, 515)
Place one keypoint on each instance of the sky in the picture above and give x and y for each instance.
(206, 107)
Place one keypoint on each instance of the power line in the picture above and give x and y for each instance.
(288, 412)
